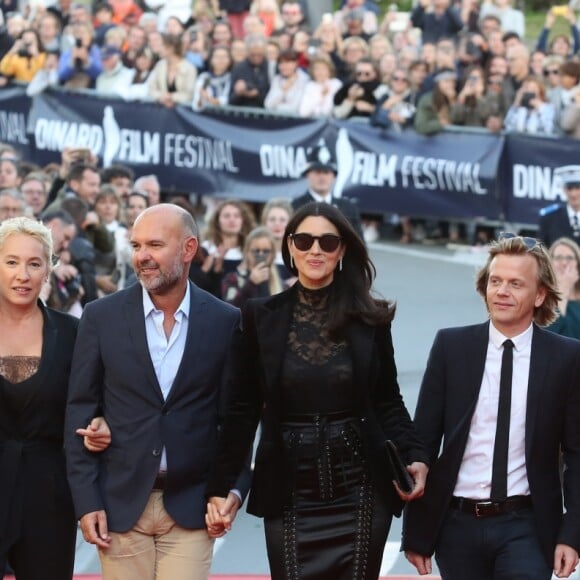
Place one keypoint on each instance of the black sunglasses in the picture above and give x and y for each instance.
(530, 243)
(326, 242)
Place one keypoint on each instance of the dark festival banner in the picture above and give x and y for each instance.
(14, 109)
(529, 182)
(452, 174)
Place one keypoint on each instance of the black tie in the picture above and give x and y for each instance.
(575, 225)
(502, 432)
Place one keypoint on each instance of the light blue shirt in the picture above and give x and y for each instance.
(166, 353)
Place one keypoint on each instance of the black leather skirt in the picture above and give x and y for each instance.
(335, 526)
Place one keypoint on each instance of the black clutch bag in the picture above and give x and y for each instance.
(399, 469)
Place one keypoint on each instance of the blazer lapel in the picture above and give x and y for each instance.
(360, 339)
(196, 330)
(272, 327)
(539, 360)
(136, 325)
(475, 355)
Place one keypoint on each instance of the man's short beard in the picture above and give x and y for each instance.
(164, 280)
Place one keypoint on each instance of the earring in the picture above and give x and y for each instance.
(340, 265)
(291, 262)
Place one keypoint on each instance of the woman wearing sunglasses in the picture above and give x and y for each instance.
(320, 376)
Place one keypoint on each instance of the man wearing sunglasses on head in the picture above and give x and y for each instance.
(503, 398)
(320, 173)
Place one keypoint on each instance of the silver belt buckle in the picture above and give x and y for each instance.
(480, 508)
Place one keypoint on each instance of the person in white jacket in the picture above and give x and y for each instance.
(115, 79)
(287, 86)
(318, 97)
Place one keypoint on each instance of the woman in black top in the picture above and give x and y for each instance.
(37, 521)
(320, 374)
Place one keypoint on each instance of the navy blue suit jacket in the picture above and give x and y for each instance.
(446, 404)
(112, 374)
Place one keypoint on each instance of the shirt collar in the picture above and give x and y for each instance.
(317, 197)
(520, 341)
(182, 309)
(571, 212)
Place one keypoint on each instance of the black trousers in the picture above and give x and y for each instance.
(504, 547)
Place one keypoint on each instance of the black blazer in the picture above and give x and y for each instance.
(554, 224)
(379, 407)
(447, 400)
(31, 440)
(113, 374)
(346, 205)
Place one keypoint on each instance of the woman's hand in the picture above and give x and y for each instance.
(220, 515)
(418, 472)
(260, 273)
(97, 435)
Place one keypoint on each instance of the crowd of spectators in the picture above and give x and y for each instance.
(448, 62)
(466, 63)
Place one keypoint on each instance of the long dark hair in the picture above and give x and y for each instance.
(350, 294)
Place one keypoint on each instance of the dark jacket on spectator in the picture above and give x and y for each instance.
(436, 27)
(255, 77)
(369, 96)
(427, 119)
(475, 112)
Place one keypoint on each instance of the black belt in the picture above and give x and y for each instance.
(160, 481)
(484, 508)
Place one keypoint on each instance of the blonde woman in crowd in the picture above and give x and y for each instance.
(257, 275)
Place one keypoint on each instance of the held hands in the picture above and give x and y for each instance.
(97, 435)
(220, 515)
(95, 530)
(565, 560)
(418, 472)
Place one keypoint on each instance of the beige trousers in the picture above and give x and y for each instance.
(157, 549)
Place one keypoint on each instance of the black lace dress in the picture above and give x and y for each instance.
(335, 526)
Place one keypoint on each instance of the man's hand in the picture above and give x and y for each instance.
(565, 560)
(94, 528)
(220, 515)
(97, 435)
(422, 563)
(418, 472)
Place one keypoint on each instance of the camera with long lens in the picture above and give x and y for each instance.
(78, 62)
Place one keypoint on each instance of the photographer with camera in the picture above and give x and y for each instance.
(561, 44)
(530, 112)
(80, 65)
(257, 274)
(25, 58)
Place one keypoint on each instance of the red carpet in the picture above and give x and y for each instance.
(246, 577)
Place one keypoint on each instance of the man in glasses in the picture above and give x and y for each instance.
(503, 398)
(563, 220)
(320, 173)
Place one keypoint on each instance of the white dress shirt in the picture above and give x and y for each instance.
(474, 478)
(166, 353)
(572, 214)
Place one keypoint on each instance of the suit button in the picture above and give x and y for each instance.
(156, 452)
(166, 412)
